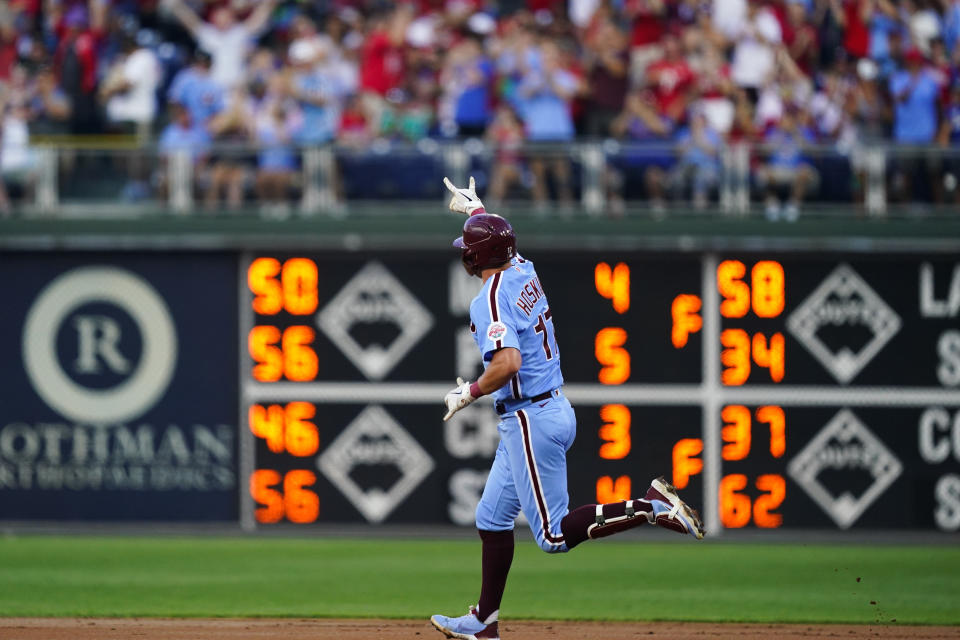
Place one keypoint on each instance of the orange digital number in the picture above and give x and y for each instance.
(300, 278)
(609, 490)
(775, 491)
(685, 461)
(611, 354)
(300, 435)
(736, 357)
(298, 503)
(296, 290)
(774, 416)
(767, 282)
(267, 423)
(271, 500)
(295, 357)
(614, 284)
(615, 431)
(302, 505)
(261, 278)
(736, 432)
(262, 346)
(770, 356)
(734, 506)
(300, 361)
(286, 428)
(686, 318)
(735, 292)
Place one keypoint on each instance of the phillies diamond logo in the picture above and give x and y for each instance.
(375, 446)
(374, 321)
(845, 468)
(844, 323)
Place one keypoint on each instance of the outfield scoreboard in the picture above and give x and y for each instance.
(777, 390)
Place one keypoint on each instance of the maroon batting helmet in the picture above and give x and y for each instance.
(487, 241)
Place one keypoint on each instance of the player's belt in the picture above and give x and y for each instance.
(509, 406)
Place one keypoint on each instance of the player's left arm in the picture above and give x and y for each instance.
(504, 364)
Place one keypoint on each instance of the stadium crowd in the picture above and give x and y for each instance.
(695, 75)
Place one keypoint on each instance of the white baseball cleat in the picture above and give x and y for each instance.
(670, 512)
(466, 627)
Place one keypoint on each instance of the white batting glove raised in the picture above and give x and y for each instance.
(464, 200)
(458, 398)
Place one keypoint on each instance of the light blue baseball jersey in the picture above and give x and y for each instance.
(529, 472)
(511, 310)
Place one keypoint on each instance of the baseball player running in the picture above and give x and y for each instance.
(513, 326)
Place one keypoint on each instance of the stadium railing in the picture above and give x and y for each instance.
(594, 178)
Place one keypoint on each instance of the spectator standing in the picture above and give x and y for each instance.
(8, 45)
(606, 61)
(648, 24)
(196, 91)
(382, 63)
(545, 94)
(802, 41)
(130, 88)
(671, 80)
(316, 93)
(76, 64)
(227, 40)
(756, 43)
(467, 77)
(915, 94)
(49, 106)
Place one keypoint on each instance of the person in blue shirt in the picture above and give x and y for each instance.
(543, 99)
(698, 165)
(195, 89)
(467, 79)
(786, 166)
(915, 93)
(513, 326)
(183, 134)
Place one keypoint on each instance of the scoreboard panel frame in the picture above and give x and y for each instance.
(710, 394)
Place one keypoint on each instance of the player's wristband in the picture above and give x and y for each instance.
(475, 212)
(475, 390)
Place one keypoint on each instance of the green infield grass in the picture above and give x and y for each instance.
(633, 580)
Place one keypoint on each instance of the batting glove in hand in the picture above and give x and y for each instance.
(464, 200)
(458, 398)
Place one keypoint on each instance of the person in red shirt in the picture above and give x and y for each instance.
(382, 63)
(852, 16)
(671, 79)
(8, 48)
(649, 20)
(801, 37)
(76, 65)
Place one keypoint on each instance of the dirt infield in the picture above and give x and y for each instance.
(302, 629)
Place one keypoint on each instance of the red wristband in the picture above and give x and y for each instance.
(478, 211)
(475, 390)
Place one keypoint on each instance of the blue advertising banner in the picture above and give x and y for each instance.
(118, 391)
